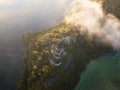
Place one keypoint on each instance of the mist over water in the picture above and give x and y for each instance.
(18, 17)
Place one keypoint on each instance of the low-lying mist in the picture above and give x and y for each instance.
(89, 16)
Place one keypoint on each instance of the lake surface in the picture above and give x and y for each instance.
(103, 73)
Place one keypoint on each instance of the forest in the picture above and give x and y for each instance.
(82, 55)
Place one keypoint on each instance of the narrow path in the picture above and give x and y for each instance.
(58, 74)
(56, 64)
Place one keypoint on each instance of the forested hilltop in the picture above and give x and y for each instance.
(55, 58)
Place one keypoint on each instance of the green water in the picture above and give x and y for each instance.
(102, 73)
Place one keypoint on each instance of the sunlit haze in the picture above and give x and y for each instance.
(18, 17)
(22, 16)
(48, 44)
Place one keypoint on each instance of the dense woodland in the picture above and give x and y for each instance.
(39, 74)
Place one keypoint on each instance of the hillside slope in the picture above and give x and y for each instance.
(47, 71)
(55, 58)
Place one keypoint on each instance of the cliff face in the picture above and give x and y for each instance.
(55, 58)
